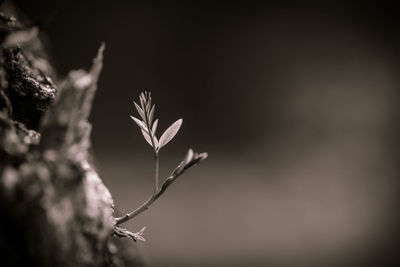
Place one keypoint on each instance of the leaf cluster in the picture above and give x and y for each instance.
(149, 127)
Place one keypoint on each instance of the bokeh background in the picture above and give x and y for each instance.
(296, 104)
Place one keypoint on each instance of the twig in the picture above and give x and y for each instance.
(156, 173)
(148, 202)
(190, 160)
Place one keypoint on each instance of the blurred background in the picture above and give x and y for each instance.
(296, 104)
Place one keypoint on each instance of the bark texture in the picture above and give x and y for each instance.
(55, 209)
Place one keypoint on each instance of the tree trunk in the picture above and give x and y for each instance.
(55, 209)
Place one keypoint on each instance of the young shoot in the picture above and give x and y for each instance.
(148, 127)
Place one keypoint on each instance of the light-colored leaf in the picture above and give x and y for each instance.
(148, 106)
(189, 156)
(139, 123)
(170, 133)
(140, 111)
(154, 128)
(151, 114)
(142, 100)
(147, 138)
(202, 156)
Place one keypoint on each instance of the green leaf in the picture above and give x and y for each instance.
(170, 133)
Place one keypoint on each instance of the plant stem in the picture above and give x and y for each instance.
(182, 167)
(148, 202)
(153, 144)
(156, 173)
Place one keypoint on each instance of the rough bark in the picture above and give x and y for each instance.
(55, 209)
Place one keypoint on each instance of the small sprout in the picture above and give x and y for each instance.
(148, 129)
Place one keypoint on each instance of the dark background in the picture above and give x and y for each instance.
(297, 105)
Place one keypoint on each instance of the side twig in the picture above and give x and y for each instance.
(190, 160)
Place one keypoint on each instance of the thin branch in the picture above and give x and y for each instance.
(190, 160)
(148, 202)
(156, 173)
